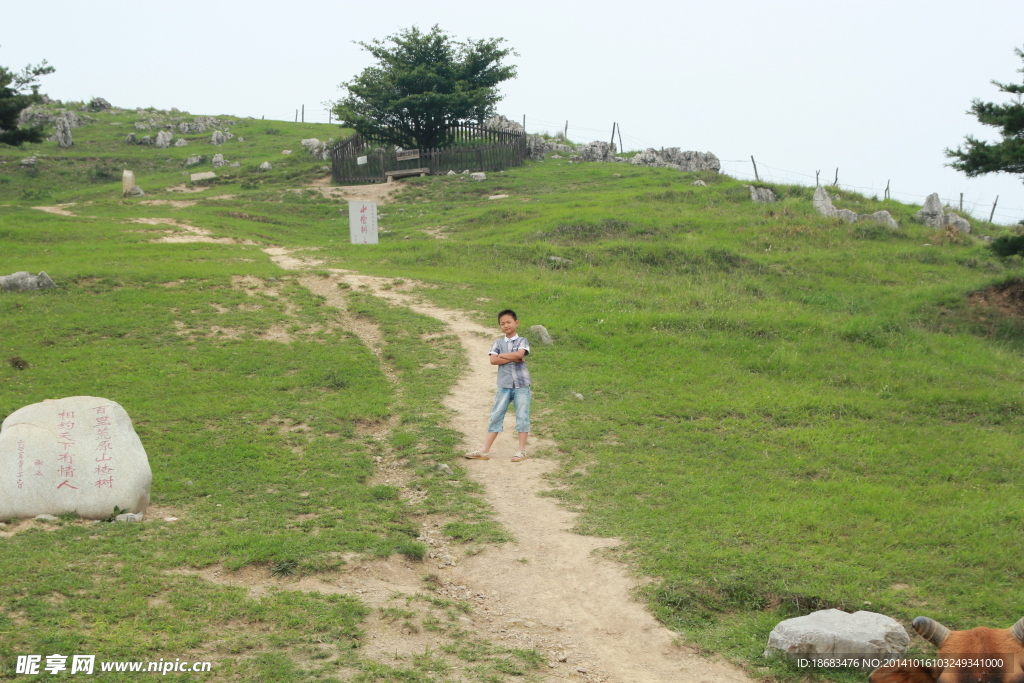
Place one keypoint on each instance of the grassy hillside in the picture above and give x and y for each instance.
(780, 412)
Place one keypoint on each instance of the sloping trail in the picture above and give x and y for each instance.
(548, 588)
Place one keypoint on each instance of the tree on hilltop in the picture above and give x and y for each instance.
(978, 157)
(13, 101)
(423, 85)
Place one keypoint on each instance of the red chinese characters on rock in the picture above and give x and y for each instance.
(66, 450)
(362, 223)
(104, 447)
(21, 464)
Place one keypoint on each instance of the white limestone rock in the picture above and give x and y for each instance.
(78, 454)
(932, 212)
(218, 138)
(180, 142)
(23, 281)
(597, 151)
(163, 140)
(882, 218)
(218, 161)
(832, 632)
(206, 175)
(265, 166)
(499, 122)
(478, 176)
(540, 333)
(193, 160)
(63, 134)
(761, 195)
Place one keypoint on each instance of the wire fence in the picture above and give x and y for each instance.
(738, 168)
(743, 169)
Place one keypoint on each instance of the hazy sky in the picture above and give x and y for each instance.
(877, 89)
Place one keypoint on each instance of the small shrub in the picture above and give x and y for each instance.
(1008, 245)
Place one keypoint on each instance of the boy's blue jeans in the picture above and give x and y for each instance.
(521, 399)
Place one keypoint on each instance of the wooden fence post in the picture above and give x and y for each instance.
(565, 134)
(816, 180)
(961, 201)
(612, 143)
(756, 177)
(886, 189)
(303, 113)
(835, 183)
(296, 116)
(993, 209)
(621, 148)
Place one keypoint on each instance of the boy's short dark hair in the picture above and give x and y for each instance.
(508, 311)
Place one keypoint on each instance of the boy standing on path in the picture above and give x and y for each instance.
(508, 354)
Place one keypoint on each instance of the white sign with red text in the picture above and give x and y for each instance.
(362, 222)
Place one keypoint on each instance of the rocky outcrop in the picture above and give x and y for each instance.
(63, 133)
(163, 140)
(36, 116)
(193, 160)
(220, 137)
(823, 204)
(499, 122)
(934, 215)
(319, 150)
(673, 157)
(761, 195)
(98, 104)
(265, 166)
(180, 142)
(597, 151)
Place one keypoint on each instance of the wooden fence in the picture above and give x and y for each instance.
(357, 161)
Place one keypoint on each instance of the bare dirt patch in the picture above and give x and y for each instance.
(283, 258)
(59, 210)
(182, 233)
(382, 193)
(168, 202)
(185, 188)
(1008, 298)
(440, 232)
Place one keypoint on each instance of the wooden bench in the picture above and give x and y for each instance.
(406, 173)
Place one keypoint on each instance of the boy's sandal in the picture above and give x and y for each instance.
(476, 455)
(519, 456)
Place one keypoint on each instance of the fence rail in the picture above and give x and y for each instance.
(357, 160)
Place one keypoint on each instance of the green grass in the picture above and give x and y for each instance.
(781, 412)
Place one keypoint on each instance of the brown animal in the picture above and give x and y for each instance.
(981, 655)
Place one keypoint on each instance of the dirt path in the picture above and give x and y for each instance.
(547, 589)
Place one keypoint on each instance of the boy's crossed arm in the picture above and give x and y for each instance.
(512, 357)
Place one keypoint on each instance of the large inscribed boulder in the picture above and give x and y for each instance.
(78, 454)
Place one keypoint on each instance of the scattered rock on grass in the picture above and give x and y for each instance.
(832, 632)
(934, 215)
(478, 176)
(23, 281)
(540, 333)
(163, 140)
(265, 166)
(761, 195)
